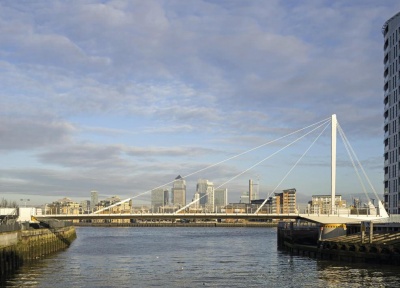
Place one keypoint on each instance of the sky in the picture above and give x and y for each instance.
(123, 96)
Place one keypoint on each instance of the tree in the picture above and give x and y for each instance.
(7, 204)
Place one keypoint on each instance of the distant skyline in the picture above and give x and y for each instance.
(122, 96)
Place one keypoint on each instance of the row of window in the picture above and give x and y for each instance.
(391, 99)
(392, 171)
(392, 188)
(394, 201)
(392, 39)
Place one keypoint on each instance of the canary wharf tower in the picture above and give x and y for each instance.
(391, 61)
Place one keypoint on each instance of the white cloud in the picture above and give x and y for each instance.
(28, 133)
(119, 83)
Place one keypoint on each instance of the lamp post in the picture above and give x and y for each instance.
(25, 200)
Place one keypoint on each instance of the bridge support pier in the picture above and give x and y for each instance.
(332, 230)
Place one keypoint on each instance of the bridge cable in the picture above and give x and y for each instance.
(258, 163)
(291, 169)
(359, 163)
(215, 164)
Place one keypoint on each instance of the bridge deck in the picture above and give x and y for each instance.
(321, 219)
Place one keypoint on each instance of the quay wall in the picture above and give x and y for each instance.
(377, 254)
(20, 247)
(381, 247)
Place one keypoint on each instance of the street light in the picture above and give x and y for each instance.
(25, 200)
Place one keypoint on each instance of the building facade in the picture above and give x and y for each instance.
(391, 74)
(321, 204)
(220, 199)
(94, 199)
(205, 189)
(85, 206)
(179, 192)
(284, 202)
(159, 199)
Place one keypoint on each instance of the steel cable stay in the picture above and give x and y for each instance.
(255, 165)
(324, 121)
(352, 154)
(291, 169)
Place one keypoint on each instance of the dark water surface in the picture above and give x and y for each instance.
(191, 257)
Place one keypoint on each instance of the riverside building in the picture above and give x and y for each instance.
(391, 74)
(284, 202)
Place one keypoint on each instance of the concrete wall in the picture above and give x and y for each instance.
(8, 238)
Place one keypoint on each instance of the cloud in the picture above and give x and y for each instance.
(24, 133)
(116, 156)
(123, 91)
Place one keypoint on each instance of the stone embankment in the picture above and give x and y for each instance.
(23, 246)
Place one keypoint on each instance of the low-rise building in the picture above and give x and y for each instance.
(321, 204)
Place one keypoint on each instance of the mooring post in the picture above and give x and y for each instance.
(371, 232)
(362, 232)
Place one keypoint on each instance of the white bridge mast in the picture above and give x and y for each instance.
(333, 162)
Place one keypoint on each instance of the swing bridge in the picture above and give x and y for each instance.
(334, 216)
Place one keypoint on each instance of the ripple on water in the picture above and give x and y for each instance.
(190, 257)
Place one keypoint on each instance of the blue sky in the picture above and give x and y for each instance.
(123, 96)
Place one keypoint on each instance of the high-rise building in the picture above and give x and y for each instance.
(159, 198)
(251, 190)
(196, 200)
(391, 74)
(94, 199)
(220, 198)
(205, 189)
(179, 192)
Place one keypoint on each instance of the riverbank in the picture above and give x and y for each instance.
(20, 247)
(178, 224)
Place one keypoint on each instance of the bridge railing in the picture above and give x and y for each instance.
(10, 227)
(347, 212)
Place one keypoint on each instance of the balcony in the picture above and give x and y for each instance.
(386, 59)
(386, 78)
(386, 86)
(386, 121)
(386, 191)
(386, 106)
(386, 134)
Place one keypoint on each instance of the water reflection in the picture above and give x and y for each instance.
(336, 274)
(191, 257)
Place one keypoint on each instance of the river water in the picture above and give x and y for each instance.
(191, 257)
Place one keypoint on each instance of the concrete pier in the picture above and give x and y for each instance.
(20, 247)
(366, 246)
